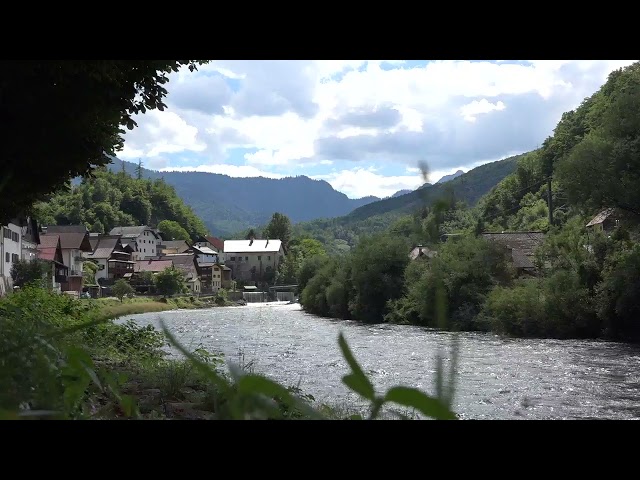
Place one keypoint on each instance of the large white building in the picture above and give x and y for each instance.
(252, 259)
(144, 240)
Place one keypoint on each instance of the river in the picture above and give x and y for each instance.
(497, 378)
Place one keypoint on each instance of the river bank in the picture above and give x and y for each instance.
(112, 308)
(65, 358)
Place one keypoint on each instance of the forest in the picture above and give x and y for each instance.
(108, 199)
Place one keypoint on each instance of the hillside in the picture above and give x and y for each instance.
(340, 234)
(116, 199)
(227, 204)
(573, 278)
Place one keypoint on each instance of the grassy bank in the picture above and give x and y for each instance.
(110, 308)
(64, 358)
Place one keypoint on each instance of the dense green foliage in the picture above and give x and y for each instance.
(117, 200)
(279, 227)
(586, 282)
(37, 271)
(172, 230)
(121, 289)
(87, 104)
(170, 282)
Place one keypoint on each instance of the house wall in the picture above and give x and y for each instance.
(147, 245)
(29, 250)
(243, 263)
(10, 249)
(103, 268)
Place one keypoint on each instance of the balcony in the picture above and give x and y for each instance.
(60, 279)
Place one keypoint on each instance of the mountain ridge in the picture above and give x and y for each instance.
(229, 204)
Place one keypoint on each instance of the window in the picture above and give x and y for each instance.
(14, 257)
(246, 259)
(259, 258)
(233, 259)
(6, 257)
(7, 233)
(269, 257)
(15, 237)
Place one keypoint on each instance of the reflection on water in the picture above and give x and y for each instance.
(497, 378)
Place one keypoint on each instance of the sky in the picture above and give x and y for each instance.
(361, 125)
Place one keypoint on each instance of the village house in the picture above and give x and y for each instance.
(30, 238)
(221, 277)
(250, 260)
(605, 221)
(145, 241)
(420, 251)
(521, 246)
(50, 250)
(10, 252)
(113, 260)
(213, 243)
(74, 240)
(186, 263)
(172, 247)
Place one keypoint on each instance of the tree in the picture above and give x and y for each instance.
(138, 169)
(173, 230)
(170, 282)
(279, 228)
(251, 234)
(87, 103)
(121, 289)
(25, 272)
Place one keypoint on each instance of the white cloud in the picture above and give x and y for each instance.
(471, 110)
(329, 112)
(361, 182)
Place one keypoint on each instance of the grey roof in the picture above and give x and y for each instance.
(522, 245)
(66, 229)
(72, 240)
(180, 245)
(94, 242)
(105, 247)
(185, 263)
(601, 217)
(131, 231)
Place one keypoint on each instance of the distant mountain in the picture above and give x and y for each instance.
(339, 234)
(447, 178)
(227, 204)
(400, 192)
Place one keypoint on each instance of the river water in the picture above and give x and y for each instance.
(497, 378)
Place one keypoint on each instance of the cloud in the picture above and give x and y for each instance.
(348, 115)
(206, 94)
(361, 182)
(384, 116)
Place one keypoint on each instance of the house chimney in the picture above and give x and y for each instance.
(251, 240)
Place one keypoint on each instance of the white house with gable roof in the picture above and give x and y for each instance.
(251, 259)
(144, 240)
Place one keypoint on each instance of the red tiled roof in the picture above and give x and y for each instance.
(47, 253)
(216, 242)
(152, 265)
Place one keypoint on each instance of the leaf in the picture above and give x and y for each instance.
(359, 385)
(128, 405)
(253, 383)
(414, 398)
(357, 380)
